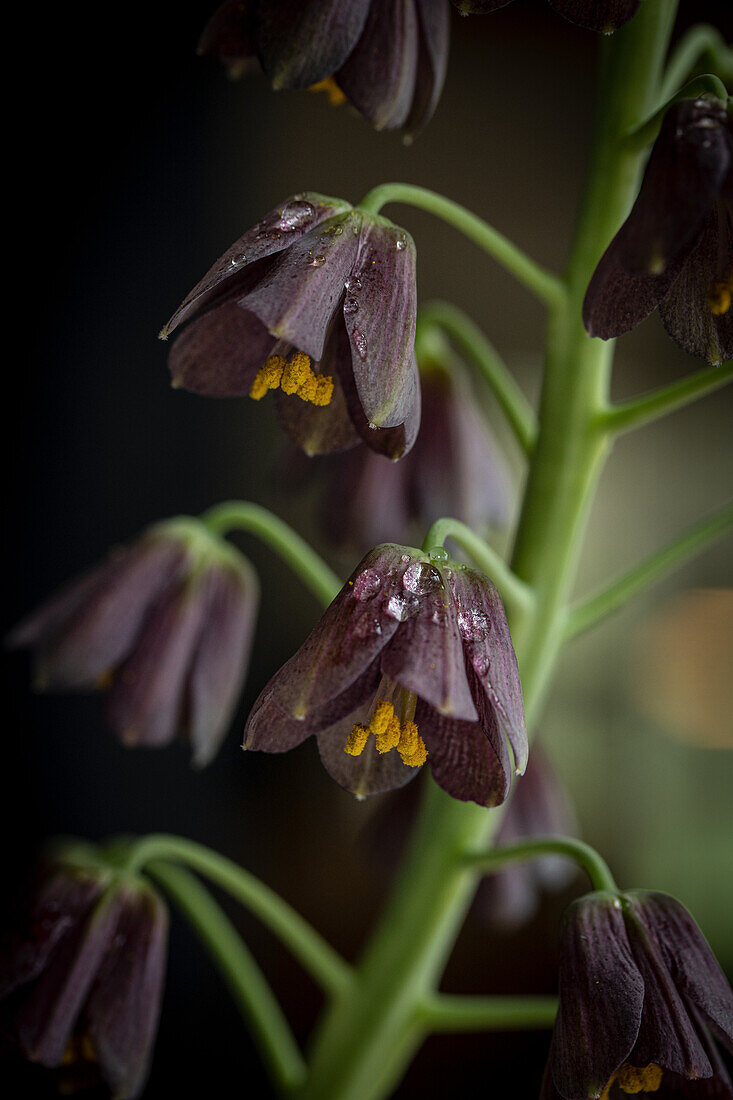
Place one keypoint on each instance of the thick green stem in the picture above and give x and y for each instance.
(479, 350)
(700, 42)
(651, 406)
(705, 84)
(449, 1012)
(368, 1037)
(515, 593)
(535, 847)
(317, 956)
(240, 515)
(248, 986)
(546, 286)
(598, 607)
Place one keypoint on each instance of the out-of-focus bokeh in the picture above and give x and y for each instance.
(137, 163)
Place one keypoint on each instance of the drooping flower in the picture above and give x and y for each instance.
(604, 16)
(81, 976)
(412, 661)
(454, 469)
(317, 301)
(640, 991)
(388, 58)
(165, 625)
(674, 252)
(539, 806)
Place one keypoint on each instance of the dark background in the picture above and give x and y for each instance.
(133, 164)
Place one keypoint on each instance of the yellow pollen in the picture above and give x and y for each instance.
(719, 298)
(294, 377)
(633, 1080)
(389, 733)
(335, 96)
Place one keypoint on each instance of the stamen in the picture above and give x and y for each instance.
(390, 733)
(335, 96)
(719, 296)
(357, 739)
(294, 377)
(634, 1079)
(412, 747)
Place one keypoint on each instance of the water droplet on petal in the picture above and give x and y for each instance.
(405, 558)
(351, 306)
(421, 578)
(237, 259)
(473, 625)
(294, 215)
(401, 243)
(367, 584)
(317, 261)
(439, 553)
(353, 284)
(402, 608)
(360, 342)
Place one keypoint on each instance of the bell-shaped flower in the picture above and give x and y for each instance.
(454, 469)
(165, 625)
(388, 58)
(604, 16)
(318, 302)
(640, 993)
(81, 976)
(674, 252)
(412, 662)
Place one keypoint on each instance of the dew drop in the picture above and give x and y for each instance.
(351, 306)
(238, 259)
(401, 243)
(473, 625)
(439, 553)
(367, 584)
(421, 578)
(405, 558)
(294, 215)
(360, 342)
(353, 284)
(402, 608)
(317, 261)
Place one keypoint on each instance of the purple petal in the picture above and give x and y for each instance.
(394, 442)
(617, 301)
(488, 647)
(601, 997)
(464, 761)
(347, 639)
(380, 310)
(685, 311)
(219, 663)
(426, 655)
(299, 293)
(379, 76)
(688, 958)
(432, 62)
(366, 500)
(219, 354)
(228, 34)
(603, 16)
(103, 628)
(370, 772)
(277, 231)
(42, 624)
(124, 1004)
(301, 42)
(147, 697)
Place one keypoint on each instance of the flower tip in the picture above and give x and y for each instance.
(164, 333)
(176, 384)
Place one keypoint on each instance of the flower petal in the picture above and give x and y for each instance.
(124, 1004)
(228, 34)
(617, 301)
(219, 664)
(393, 442)
(432, 62)
(601, 997)
(604, 16)
(379, 76)
(233, 272)
(300, 291)
(688, 958)
(301, 42)
(219, 354)
(488, 647)
(146, 700)
(685, 311)
(426, 655)
(465, 762)
(370, 772)
(380, 310)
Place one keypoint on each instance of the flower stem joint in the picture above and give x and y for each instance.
(412, 662)
(640, 994)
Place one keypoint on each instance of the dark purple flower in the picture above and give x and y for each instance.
(674, 252)
(454, 469)
(604, 16)
(539, 806)
(165, 624)
(413, 655)
(639, 989)
(318, 301)
(386, 57)
(81, 976)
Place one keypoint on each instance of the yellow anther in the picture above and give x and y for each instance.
(335, 96)
(386, 727)
(357, 739)
(268, 377)
(634, 1079)
(719, 298)
(297, 373)
(412, 747)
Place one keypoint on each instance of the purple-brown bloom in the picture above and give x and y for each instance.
(318, 302)
(165, 625)
(81, 976)
(604, 16)
(640, 992)
(412, 661)
(388, 58)
(454, 469)
(675, 250)
(539, 806)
